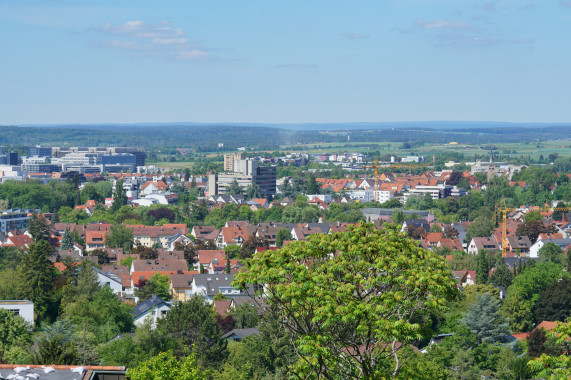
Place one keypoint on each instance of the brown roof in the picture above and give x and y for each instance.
(159, 265)
(182, 280)
(120, 270)
(138, 276)
(222, 308)
(19, 241)
(453, 244)
(205, 256)
(90, 237)
(157, 231)
(233, 234)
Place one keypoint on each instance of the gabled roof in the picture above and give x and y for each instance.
(222, 307)
(144, 307)
(453, 244)
(233, 235)
(182, 280)
(159, 265)
(18, 241)
(241, 333)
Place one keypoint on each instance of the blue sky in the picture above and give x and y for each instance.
(94, 61)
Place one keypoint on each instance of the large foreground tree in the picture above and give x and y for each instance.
(350, 300)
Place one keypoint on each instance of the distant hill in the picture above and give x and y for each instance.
(449, 125)
(206, 137)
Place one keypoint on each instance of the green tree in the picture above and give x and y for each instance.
(525, 291)
(558, 214)
(193, 323)
(119, 236)
(39, 228)
(354, 282)
(234, 188)
(427, 201)
(253, 191)
(392, 203)
(533, 228)
(483, 269)
(158, 284)
(249, 246)
(55, 351)
(312, 186)
(533, 216)
(282, 235)
(485, 321)
(245, 316)
(15, 335)
(502, 276)
(67, 240)
(551, 252)
(482, 226)
(553, 367)
(119, 197)
(554, 303)
(37, 275)
(166, 366)
(186, 174)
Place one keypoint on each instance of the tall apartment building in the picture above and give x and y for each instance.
(245, 172)
(229, 160)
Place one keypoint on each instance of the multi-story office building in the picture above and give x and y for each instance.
(245, 172)
(12, 158)
(13, 219)
(139, 154)
(40, 151)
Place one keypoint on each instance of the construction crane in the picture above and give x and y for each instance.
(376, 167)
(504, 210)
(409, 166)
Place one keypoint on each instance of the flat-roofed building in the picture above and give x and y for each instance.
(20, 308)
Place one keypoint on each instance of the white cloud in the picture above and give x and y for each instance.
(444, 24)
(151, 40)
(298, 65)
(355, 36)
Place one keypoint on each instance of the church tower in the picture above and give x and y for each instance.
(491, 167)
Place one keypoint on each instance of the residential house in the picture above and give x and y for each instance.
(518, 245)
(95, 236)
(238, 334)
(479, 243)
(302, 233)
(153, 187)
(19, 241)
(20, 308)
(156, 236)
(464, 277)
(206, 256)
(417, 223)
(205, 232)
(431, 239)
(536, 247)
(110, 279)
(208, 285)
(180, 286)
(452, 244)
(222, 308)
(232, 235)
(150, 311)
(169, 265)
